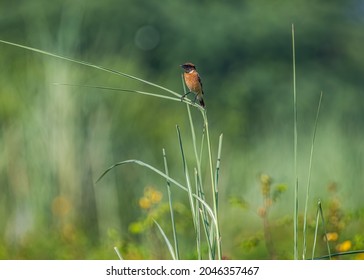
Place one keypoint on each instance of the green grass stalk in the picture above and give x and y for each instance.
(216, 234)
(218, 161)
(176, 248)
(198, 230)
(309, 180)
(319, 213)
(340, 254)
(214, 189)
(295, 137)
(118, 253)
(324, 226)
(169, 245)
(121, 90)
(199, 185)
(185, 169)
(316, 230)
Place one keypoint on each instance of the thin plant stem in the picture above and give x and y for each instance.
(316, 230)
(218, 161)
(295, 217)
(169, 245)
(198, 230)
(213, 186)
(202, 141)
(194, 142)
(318, 214)
(176, 249)
(309, 180)
(200, 193)
(340, 254)
(324, 226)
(120, 90)
(190, 193)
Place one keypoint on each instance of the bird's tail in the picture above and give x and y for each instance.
(200, 99)
(202, 103)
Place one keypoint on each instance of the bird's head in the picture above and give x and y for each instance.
(188, 67)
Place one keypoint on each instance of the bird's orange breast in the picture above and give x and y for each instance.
(193, 82)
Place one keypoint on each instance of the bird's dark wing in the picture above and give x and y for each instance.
(199, 80)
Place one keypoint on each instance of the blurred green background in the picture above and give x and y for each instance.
(57, 140)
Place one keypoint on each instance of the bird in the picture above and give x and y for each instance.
(193, 82)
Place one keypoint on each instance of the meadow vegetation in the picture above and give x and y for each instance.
(63, 124)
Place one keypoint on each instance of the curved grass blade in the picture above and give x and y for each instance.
(90, 65)
(141, 163)
(120, 89)
(339, 254)
(169, 245)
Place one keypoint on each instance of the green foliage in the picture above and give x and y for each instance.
(56, 139)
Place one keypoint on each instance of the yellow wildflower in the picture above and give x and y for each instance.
(332, 236)
(344, 246)
(145, 203)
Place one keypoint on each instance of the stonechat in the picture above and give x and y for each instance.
(193, 82)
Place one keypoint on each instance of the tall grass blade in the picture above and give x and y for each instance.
(185, 169)
(91, 65)
(316, 231)
(171, 207)
(217, 172)
(169, 245)
(198, 230)
(324, 226)
(214, 189)
(190, 194)
(218, 162)
(309, 180)
(194, 143)
(207, 231)
(204, 217)
(295, 217)
(199, 185)
(320, 213)
(202, 141)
